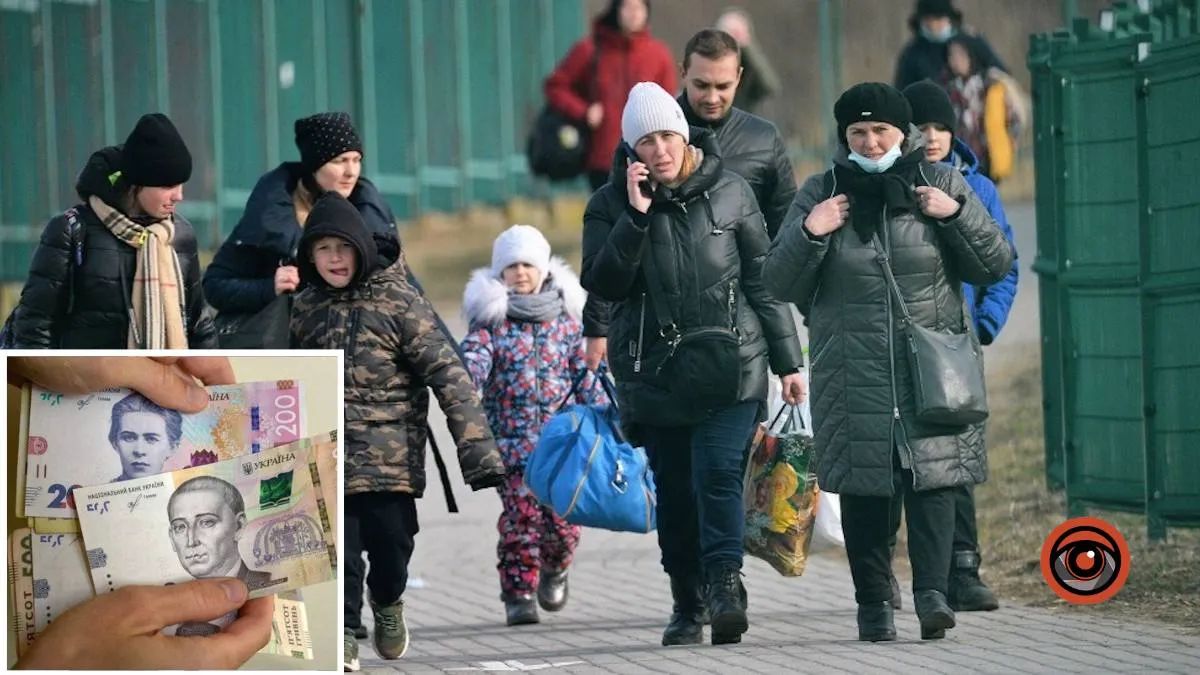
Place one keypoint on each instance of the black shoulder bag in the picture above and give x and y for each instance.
(947, 368)
(702, 367)
(557, 147)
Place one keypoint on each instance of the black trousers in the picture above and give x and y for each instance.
(869, 525)
(698, 478)
(966, 534)
(384, 524)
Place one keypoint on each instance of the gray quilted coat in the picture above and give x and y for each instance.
(861, 385)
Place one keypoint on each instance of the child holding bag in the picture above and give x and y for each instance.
(523, 350)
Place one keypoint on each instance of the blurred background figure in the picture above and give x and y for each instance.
(594, 78)
(990, 106)
(924, 57)
(759, 80)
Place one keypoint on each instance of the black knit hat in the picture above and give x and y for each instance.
(930, 105)
(333, 216)
(324, 136)
(155, 155)
(871, 102)
(937, 8)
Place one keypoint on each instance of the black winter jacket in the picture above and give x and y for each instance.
(80, 299)
(708, 241)
(241, 278)
(861, 385)
(752, 148)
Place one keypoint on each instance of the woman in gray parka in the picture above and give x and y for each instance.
(872, 450)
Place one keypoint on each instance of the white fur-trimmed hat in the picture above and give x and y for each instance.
(520, 243)
(650, 108)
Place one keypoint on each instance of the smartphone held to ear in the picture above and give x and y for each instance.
(643, 186)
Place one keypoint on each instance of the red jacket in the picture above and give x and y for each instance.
(624, 61)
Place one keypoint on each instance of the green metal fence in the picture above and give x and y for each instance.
(442, 92)
(1118, 240)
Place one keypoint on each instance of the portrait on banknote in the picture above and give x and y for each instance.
(144, 435)
(208, 518)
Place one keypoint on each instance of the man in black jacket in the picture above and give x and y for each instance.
(751, 147)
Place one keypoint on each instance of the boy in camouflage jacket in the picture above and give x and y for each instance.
(359, 300)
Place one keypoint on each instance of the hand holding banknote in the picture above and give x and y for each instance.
(121, 630)
(168, 381)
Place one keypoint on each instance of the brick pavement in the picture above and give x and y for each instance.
(620, 601)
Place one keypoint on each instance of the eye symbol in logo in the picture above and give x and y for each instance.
(1085, 561)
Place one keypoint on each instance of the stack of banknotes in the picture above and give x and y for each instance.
(119, 491)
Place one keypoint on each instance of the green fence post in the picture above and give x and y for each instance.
(106, 65)
(465, 148)
(162, 89)
(507, 101)
(218, 119)
(270, 82)
(370, 119)
(51, 130)
(420, 122)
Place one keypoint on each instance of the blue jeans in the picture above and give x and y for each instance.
(698, 475)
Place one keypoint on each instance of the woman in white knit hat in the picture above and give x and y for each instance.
(677, 244)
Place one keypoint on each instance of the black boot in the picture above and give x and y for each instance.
(725, 605)
(876, 622)
(552, 591)
(706, 619)
(520, 610)
(934, 613)
(967, 591)
(686, 626)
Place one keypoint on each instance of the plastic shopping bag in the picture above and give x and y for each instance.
(780, 494)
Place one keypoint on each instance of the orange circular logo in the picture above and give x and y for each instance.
(1085, 561)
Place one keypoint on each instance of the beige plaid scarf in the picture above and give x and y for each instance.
(156, 319)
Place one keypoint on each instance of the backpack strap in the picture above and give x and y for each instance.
(74, 253)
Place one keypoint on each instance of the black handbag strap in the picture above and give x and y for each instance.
(663, 316)
(885, 262)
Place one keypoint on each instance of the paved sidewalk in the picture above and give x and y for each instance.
(620, 601)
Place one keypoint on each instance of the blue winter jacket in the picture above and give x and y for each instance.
(989, 304)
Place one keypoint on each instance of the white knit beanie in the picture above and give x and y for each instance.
(650, 108)
(520, 243)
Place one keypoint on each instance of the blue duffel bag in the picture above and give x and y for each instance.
(585, 470)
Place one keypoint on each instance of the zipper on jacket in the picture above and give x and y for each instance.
(637, 355)
(733, 314)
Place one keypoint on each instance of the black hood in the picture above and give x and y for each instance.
(94, 178)
(703, 178)
(333, 216)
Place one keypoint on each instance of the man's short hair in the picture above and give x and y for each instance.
(229, 493)
(712, 44)
(134, 403)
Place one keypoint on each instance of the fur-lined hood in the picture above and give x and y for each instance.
(485, 300)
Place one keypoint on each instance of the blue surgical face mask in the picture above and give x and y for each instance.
(880, 165)
(940, 36)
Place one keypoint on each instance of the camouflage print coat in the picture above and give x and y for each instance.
(394, 351)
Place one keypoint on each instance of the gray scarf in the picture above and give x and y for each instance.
(536, 307)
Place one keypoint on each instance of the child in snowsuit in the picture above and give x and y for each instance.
(358, 299)
(524, 347)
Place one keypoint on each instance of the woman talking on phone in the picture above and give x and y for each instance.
(677, 244)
